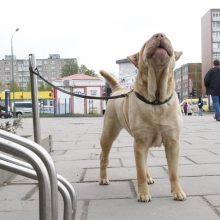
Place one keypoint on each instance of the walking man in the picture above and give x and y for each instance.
(212, 84)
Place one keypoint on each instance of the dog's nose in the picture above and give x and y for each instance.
(159, 35)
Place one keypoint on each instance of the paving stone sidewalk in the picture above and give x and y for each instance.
(76, 156)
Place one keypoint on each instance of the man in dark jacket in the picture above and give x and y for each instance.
(212, 84)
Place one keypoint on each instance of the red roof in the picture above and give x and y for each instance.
(80, 76)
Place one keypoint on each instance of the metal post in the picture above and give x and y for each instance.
(59, 106)
(65, 106)
(22, 82)
(12, 70)
(34, 96)
(7, 98)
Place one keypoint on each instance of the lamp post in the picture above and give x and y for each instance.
(12, 66)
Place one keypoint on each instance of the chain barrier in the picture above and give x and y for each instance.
(36, 72)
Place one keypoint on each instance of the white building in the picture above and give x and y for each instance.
(81, 84)
(127, 72)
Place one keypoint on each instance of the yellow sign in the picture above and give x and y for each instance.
(27, 95)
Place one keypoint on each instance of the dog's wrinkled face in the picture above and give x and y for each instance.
(155, 63)
(157, 51)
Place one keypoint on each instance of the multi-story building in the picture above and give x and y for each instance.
(210, 35)
(50, 69)
(188, 80)
(178, 81)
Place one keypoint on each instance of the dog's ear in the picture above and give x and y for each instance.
(134, 59)
(177, 54)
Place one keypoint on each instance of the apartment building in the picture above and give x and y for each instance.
(210, 36)
(188, 79)
(50, 69)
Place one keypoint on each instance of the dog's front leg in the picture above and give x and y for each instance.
(140, 151)
(172, 154)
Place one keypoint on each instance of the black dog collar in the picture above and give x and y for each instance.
(155, 102)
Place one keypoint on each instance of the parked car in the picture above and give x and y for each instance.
(3, 114)
(22, 108)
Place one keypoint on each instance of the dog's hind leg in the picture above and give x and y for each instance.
(110, 132)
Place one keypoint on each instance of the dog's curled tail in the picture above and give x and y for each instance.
(114, 84)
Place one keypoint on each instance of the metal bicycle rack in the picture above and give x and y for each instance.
(40, 166)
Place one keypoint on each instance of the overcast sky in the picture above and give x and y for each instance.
(99, 32)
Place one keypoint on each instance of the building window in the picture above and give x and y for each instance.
(7, 78)
(216, 24)
(7, 69)
(38, 62)
(216, 45)
(216, 14)
(93, 92)
(216, 56)
(216, 34)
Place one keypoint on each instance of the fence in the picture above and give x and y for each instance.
(64, 106)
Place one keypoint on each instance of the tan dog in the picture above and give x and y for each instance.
(150, 114)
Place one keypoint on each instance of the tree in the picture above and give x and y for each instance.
(90, 73)
(14, 87)
(29, 86)
(70, 68)
(2, 86)
(44, 87)
(83, 69)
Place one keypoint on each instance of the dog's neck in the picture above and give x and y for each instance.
(154, 85)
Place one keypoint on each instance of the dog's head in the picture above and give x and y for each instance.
(156, 62)
(157, 51)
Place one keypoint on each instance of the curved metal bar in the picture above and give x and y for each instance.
(72, 193)
(47, 160)
(67, 212)
(12, 165)
(65, 188)
(15, 161)
(42, 174)
(23, 171)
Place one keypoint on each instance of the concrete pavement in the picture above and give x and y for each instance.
(76, 156)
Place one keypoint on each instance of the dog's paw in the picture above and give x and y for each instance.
(179, 195)
(150, 180)
(104, 182)
(144, 197)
